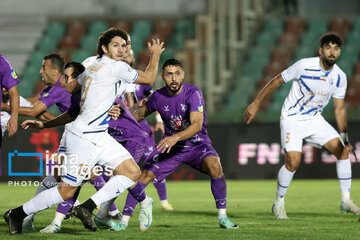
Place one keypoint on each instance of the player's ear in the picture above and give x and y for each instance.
(104, 48)
(320, 51)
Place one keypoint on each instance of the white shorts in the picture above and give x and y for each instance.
(315, 131)
(81, 156)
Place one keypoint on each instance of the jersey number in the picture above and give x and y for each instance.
(87, 84)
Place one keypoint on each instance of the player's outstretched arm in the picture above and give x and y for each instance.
(252, 109)
(148, 77)
(12, 124)
(140, 111)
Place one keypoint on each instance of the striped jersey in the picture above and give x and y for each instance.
(311, 89)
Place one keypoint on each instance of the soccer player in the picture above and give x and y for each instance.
(9, 80)
(51, 72)
(87, 143)
(315, 81)
(181, 107)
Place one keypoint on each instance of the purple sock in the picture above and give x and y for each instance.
(98, 183)
(135, 195)
(161, 188)
(218, 189)
(66, 206)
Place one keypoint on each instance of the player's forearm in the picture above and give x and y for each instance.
(152, 69)
(14, 102)
(271, 87)
(341, 119)
(28, 111)
(189, 132)
(131, 99)
(46, 116)
(60, 120)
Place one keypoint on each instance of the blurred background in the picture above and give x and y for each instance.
(229, 48)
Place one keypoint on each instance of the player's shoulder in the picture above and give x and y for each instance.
(311, 62)
(190, 89)
(89, 61)
(339, 71)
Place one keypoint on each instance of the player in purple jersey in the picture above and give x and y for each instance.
(181, 106)
(51, 72)
(9, 80)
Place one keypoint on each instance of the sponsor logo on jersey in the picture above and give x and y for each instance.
(45, 94)
(200, 108)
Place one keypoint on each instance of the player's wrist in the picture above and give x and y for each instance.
(158, 118)
(344, 137)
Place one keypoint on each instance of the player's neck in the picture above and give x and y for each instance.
(325, 66)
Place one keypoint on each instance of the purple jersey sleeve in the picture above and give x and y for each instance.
(196, 101)
(56, 95)
(8, 75)
(151, 103)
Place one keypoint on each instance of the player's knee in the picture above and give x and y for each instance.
(215, 169)
(134, 173)
(67, 191)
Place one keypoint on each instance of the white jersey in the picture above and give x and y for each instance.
(100, 85)
(312, 88)
(5, 116)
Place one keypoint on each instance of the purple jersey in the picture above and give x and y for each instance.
(140, 92)
(175, 112)
(8, 77)
(56, 95)
(125, 127)
(74, 108)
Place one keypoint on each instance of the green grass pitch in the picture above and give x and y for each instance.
(312, 207)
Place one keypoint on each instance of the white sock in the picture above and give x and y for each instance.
(77, 203)
(125, 220)
(343, 169)
(42, 201)
(145, 202)
(47, 183)
(113, 213)
(104, 209)
(113, 188)
(222, 213)
(162, 202)
(59, 217)
(284, 179)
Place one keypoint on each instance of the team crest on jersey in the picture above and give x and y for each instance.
(45, 94)
(183, 107)
(13, 74)
(200, 108)
(177, 123)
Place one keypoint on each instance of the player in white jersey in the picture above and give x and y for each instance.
(315, 81)
(87, 143)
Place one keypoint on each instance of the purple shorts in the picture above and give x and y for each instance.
(135, 148)
(163, 164)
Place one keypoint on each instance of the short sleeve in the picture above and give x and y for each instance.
(292, 72)
(151, 103)
(52, 97)
(8, 75)
(340, 86)
(196, 101)
(124, 72)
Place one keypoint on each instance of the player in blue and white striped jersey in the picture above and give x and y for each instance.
(315, 81)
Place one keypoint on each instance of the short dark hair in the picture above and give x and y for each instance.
(105, 38)
(172, 62)
(331, 37)
(76, 65)
(56, 61)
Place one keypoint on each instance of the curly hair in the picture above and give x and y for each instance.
(105, 39)
(331, 37)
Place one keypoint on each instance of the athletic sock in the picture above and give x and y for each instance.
(59, 217)
(218, 189)
(42, 201)
(343, 169)
(284, 179)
